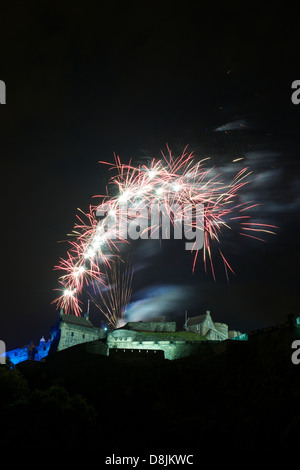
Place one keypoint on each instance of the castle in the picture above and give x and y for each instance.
(158, 337)
(155, 339)
(204, 326)
(163, 336)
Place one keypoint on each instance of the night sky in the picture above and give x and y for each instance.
(85, 82)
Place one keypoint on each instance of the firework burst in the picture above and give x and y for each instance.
(168, 180)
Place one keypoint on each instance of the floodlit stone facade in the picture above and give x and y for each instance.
(145, 336)
(124, 339)
(204, 326)
(71, 330)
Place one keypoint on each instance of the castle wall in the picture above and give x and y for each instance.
(215, 335)
(222, 328)
(130, 340)
(72, 334)
(172, 350)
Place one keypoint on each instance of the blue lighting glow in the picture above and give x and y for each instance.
(24, 354)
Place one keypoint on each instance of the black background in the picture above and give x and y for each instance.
(84, 81)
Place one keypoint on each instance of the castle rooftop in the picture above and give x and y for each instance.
(74, 320)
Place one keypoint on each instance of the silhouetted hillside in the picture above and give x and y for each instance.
(239, 396)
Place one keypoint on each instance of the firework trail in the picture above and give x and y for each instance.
(168, 180)
(116, 296)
